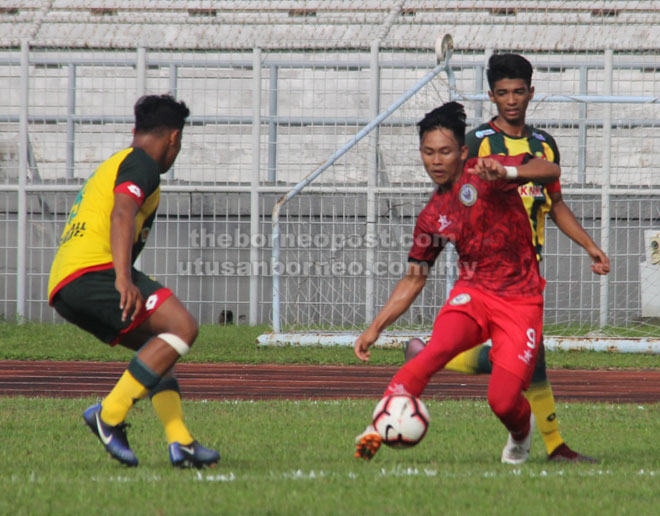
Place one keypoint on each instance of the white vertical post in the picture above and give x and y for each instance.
(21, 251)
(607, 180)
(70, 125)
(272, 125)
(372, 182)
(254, 193)
(141, 79)
(450, 250)
(173, 87)
(582, 128)
(483, 82)
(141, 71)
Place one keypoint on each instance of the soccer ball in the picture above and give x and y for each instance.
(401, 420)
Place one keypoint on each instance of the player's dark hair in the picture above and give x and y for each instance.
(508, 66)
(154, 112)
(448, 116)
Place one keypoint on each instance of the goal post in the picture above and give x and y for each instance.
(443, 49)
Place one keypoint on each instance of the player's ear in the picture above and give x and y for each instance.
(174, 137)
(464, 152)
(491, 96)
(531, 92)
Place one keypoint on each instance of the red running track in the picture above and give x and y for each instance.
(246, 381)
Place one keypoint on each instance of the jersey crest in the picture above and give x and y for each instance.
(461, 299)
(468, 194)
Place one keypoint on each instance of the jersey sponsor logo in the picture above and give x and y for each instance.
(443, 222)
(483, 133)
(151, 302)
(527, 355)
(461, 299)
(531, 190)
(77, 230)
(538, 136)
(144, 234)
(135, 190)
(467, 195)
(531, 338)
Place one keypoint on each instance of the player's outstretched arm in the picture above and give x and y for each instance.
(562, 215)
(122, 234)
(403, 295)
(537, 170)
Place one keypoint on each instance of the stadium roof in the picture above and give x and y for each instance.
(566, 25)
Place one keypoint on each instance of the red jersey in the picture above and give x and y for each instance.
(489, 226)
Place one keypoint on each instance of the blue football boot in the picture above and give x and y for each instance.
(192, 455)
(112, 437)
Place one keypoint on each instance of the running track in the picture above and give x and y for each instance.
(244, 381)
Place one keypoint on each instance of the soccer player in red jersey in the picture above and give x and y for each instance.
(499, 292)
(511, 90)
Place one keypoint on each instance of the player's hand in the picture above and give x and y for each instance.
(601, 263)
(131, 299)
(362, 344)
(488, 168)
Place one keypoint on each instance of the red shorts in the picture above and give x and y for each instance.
(514, 326)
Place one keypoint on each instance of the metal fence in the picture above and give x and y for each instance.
(262, 121)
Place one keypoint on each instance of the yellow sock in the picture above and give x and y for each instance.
(467, 362)
(542, 402)
(167, 405)
(116, 405)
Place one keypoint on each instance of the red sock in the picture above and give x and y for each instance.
(506, 399)
(405, 381)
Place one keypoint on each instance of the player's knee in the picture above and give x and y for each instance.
(185, 326)
(190, 330)
(178, 344)
(180, 332)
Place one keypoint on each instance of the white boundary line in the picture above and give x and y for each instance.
(397, 340)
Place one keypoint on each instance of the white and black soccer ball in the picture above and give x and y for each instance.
(401, 420)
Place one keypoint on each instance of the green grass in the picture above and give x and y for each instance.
(287, 457)
(295, 457)
(33, 341)
(649, 328)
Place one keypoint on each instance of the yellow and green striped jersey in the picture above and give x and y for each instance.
(488, 139)
(85, 242)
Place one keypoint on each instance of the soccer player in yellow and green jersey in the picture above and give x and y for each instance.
(94, 285)
(511, 90)
(489, 139)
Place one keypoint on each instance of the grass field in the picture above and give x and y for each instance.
(237, 344)
(286, 457)
(295, 457)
